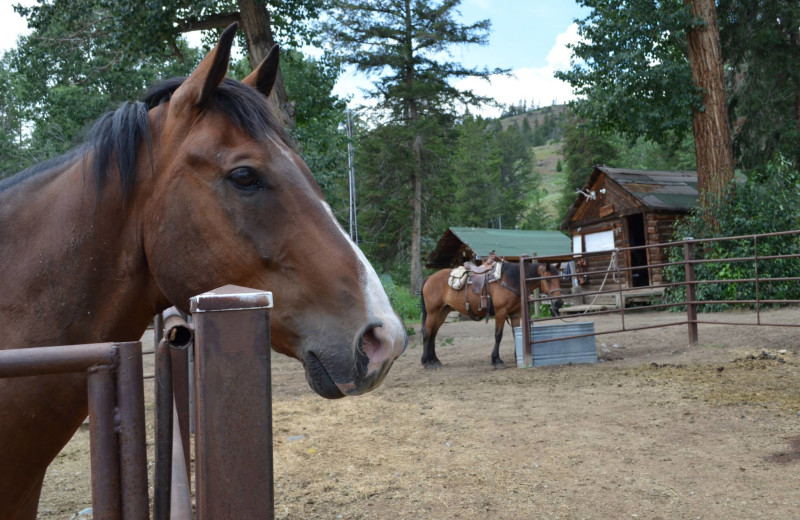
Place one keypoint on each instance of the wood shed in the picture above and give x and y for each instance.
(459, 244)
(626, 208)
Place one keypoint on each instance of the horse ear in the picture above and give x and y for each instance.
(263, 78)
(199, 87)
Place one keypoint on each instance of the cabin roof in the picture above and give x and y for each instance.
(459, 244)
(674, 191)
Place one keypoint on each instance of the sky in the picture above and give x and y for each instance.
(529, 37)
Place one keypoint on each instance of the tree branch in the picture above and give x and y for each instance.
(214, 21)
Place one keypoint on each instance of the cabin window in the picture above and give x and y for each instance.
(602, 241)
(577, 244)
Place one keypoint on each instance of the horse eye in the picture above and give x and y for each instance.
(245, 179)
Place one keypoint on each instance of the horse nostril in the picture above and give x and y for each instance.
(370, 343)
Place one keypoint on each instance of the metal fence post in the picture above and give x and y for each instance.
(132, 438)
(104, 446)
(233, 404)
(691, 297)
(525, 309)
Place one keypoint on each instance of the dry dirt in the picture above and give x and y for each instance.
(655, 430)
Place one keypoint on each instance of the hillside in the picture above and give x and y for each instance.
(546, 159)
(535, 117)
(547, 125)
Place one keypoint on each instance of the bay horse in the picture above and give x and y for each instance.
(438, 299)
(190, 189)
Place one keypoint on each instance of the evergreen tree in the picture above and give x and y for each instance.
(634, 72)
(404, 41)
(762, 50)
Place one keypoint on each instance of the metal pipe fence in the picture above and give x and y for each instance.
(689, 274)
(229, 395)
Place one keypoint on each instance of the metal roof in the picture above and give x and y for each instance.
(658, 189)
(671, 191)
(510, 243)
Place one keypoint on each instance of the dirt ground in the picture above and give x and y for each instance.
(655, 430)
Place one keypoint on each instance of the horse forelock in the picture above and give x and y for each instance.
(115, 138)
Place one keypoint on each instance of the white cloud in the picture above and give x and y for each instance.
(535, 85)
(12, 25)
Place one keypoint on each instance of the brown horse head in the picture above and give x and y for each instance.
(191, 189)
(235, 203)
(549, 284)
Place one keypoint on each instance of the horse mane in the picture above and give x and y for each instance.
(510, 272)
(116, 135)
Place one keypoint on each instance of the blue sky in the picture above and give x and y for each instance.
(528, 37)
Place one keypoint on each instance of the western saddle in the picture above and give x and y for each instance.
(480, 276)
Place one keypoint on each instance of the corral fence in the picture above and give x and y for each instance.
(748, 271)
(230, 395)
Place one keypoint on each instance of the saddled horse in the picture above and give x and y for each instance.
(438, 299)
(188, 190)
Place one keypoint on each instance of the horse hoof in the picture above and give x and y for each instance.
(499, 365)
(432, 365)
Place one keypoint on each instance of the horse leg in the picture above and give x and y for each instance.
(499, 322)
(430, 327)
(29, 507)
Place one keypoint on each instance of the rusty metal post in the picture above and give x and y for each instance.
(180, 390)
(525, 317)
(180, 507)
(103, 444)
(180, 336)
(158, 328)
(233, 405)
(132, 441)
(691, 297)
(162, 480)
(755, 268)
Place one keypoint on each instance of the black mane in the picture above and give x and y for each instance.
(116, 135)
(510, 272)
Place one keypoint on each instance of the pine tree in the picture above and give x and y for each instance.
(404, 41)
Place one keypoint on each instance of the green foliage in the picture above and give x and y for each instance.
(583, 150)
(403, 302)
(559, 166)
(65, 74)
(766, 202)
(318, 113)
(631, 70)
(760, 46)
(642, 154)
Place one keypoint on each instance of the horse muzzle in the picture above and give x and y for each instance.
(334, 372)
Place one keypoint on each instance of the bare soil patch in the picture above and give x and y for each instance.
(655, 430)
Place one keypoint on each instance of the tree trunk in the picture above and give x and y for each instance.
(710, 124)
(257, 27)
(411, 114)
(416, 221)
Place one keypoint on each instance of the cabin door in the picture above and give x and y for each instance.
(638, 257)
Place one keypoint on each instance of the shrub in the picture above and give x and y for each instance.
(766, 202)
(406, 304)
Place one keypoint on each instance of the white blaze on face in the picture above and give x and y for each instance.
(392, 332)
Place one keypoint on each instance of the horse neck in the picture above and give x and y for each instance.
(74, 270)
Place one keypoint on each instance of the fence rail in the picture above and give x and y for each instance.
(693, 253)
